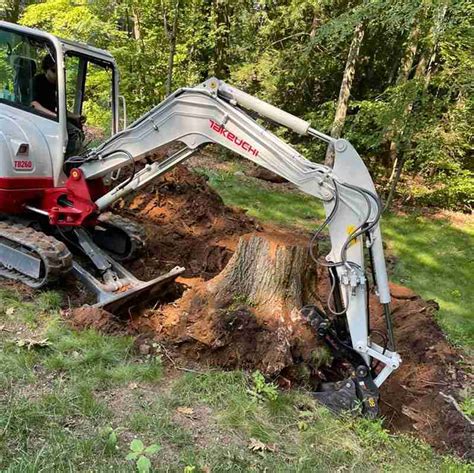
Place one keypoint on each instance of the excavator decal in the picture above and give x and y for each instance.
(231, 137)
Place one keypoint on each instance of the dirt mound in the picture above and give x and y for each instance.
(414, 397)
(229, 333)
(188, 225)
(91, 317)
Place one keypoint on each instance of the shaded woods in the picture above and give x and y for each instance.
(395, 78)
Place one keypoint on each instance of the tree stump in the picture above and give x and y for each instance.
(274, 276)
(248, 316)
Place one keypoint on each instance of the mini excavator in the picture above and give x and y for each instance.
(53, 206)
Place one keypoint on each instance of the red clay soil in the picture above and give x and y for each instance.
(412, 398)
(188, 224)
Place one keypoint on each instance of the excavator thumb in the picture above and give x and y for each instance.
(358, 392)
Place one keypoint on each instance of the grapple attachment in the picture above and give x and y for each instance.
(355, 393)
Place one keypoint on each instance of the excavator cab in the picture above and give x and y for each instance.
(86, 85)
(35, 183)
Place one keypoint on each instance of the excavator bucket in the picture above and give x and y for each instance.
(133, 292)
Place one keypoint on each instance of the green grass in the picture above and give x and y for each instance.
(64, 431)
(433, 256)
(283, 208)
(77, 403)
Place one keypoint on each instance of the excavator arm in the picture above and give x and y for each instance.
(213, 112)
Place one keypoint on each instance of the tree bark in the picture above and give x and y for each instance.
(249, 315)
(223, 15)
(270, 274)
(137, 35)
(425, 65)
(403, 75)
(172, 34)
(345, 90)
(315, 24)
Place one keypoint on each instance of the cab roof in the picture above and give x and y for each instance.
(67, 45)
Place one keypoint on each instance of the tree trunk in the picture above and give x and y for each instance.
(223, 15)
(249, 315)
(395, 176)
(345, 90)
(425, 66)
(315, 24)
(403, 75)
(137, 35)
(271, 274)
(172, 35)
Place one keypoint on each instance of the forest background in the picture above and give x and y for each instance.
(393, 77)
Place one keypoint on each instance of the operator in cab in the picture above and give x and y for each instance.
(44, 96)
(45, 100)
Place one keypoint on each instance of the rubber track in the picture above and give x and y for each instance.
(135, 232)
(57, 259)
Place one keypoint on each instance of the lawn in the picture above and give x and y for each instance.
(80, 401)
(433, 256)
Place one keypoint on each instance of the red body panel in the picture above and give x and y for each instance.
(15, 192)
(71, 205)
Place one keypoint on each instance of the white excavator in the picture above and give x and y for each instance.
(53, 204)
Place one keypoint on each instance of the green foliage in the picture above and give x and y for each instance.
(110, 437)
(261, 389)
(139, 455)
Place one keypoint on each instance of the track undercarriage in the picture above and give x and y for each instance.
(39, 255)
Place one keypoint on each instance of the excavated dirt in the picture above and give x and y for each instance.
(187, 224)
(414, 398)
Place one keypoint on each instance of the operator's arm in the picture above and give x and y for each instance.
(37, 106)
(76, 119)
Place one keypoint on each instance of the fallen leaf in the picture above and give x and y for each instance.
(257, 445)
(30, 343)
(10, 311)
(187, 411)
(133, 385)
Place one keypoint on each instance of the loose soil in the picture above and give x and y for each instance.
(188, 225)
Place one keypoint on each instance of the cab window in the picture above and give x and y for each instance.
(21, 57)
(89, 94)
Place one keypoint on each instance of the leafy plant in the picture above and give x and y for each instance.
(467, 406)
(261, 389)
(110, 437)
(138, 453)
